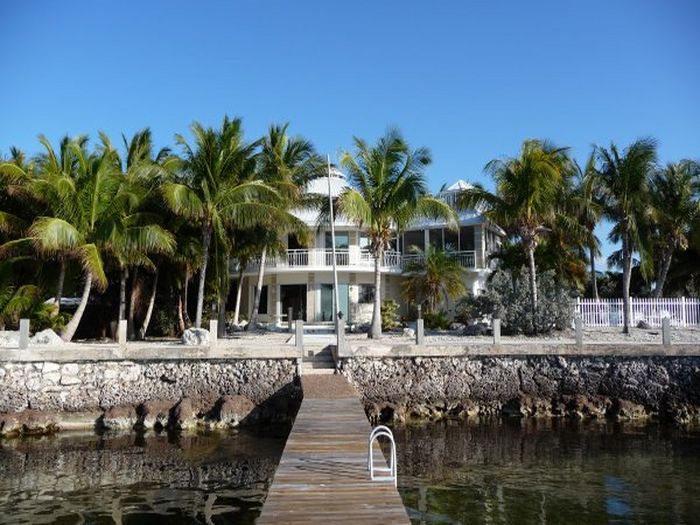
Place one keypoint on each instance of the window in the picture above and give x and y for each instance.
(342, 240)
(364, 241)
(366, 294)
(412, 240)
(451, 240)
(466, 238)
(435, 237)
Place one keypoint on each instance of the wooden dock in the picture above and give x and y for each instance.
(322, 476)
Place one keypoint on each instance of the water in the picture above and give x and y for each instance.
(130, 479)
(512, 472)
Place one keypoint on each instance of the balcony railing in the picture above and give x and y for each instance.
(466, 258)
(353, 257)
(323, 258)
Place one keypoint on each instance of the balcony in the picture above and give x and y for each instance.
(322, 259)
(466, 258)
(352, 259)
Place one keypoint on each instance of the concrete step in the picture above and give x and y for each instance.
(317, 371)
(318, 364)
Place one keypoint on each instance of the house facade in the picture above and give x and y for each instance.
(302, 277)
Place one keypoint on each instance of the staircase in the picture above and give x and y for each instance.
(317, 361)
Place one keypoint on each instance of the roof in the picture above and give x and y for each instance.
(458, 186)
(319, 186)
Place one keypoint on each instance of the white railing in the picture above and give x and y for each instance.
(681, 311)
(466, 258)
(318, 257)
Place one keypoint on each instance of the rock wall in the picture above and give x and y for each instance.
(580, 387)
(88, 387)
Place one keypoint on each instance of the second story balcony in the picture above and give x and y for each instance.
(351, 259)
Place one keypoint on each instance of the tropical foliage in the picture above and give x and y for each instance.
(388, 191)
(529, 201)
(126, 230)
(431, 277)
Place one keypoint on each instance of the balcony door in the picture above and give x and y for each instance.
(342, 244)
(326, 311)
(297, 254)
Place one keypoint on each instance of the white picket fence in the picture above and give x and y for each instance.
(608, 312)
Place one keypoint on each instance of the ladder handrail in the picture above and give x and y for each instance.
(375, 434)
(371, 438)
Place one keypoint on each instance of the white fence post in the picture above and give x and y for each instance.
(683, 313)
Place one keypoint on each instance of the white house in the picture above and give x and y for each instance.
(302, 278)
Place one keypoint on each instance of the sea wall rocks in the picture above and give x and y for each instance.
(550, 386)
(150, 394)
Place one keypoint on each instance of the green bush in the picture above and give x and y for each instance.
(390, 315)
(473, 308)
(508, 298)
(437, 320)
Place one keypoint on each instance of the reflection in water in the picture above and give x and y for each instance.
(512, 472)
(129, 479)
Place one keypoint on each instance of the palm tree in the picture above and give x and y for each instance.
(529, 191)
(140, 235)
(388, 192)
(216, 190)
(87, 210)
(432, 276)
(623, 180)
(589, 211)
(286, 164)
(34, 182)
(675, 208)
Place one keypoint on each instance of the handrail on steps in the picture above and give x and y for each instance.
(374, 435)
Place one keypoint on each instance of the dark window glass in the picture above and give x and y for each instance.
(366, 294)
(466, 238)
(412, 240)
(436, 239)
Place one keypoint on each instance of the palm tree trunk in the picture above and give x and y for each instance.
(59, 286)
(149, 310)
(239, 293)
(258, 289)
(186, 315)
(626, 277)
(122, 293)
(665, 265)
(376, 328)
(533, 283)
(206, 240)
(594, 277)
(180, 317)
(133, 298)
(72, 325)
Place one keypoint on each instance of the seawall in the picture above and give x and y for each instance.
(46, 390)
(633, 382)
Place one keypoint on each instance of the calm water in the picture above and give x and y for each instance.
(72, 479)
(547, 473)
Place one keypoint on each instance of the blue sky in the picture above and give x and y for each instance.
(470, 80)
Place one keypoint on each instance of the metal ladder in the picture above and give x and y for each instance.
(377, 432)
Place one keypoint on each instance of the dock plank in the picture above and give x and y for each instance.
(322, 476)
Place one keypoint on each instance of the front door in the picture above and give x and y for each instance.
(327, 300)
(294, 296)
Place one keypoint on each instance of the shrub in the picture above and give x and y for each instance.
(390, 315)
(508, 298)
(437, 320)
(473, 308)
